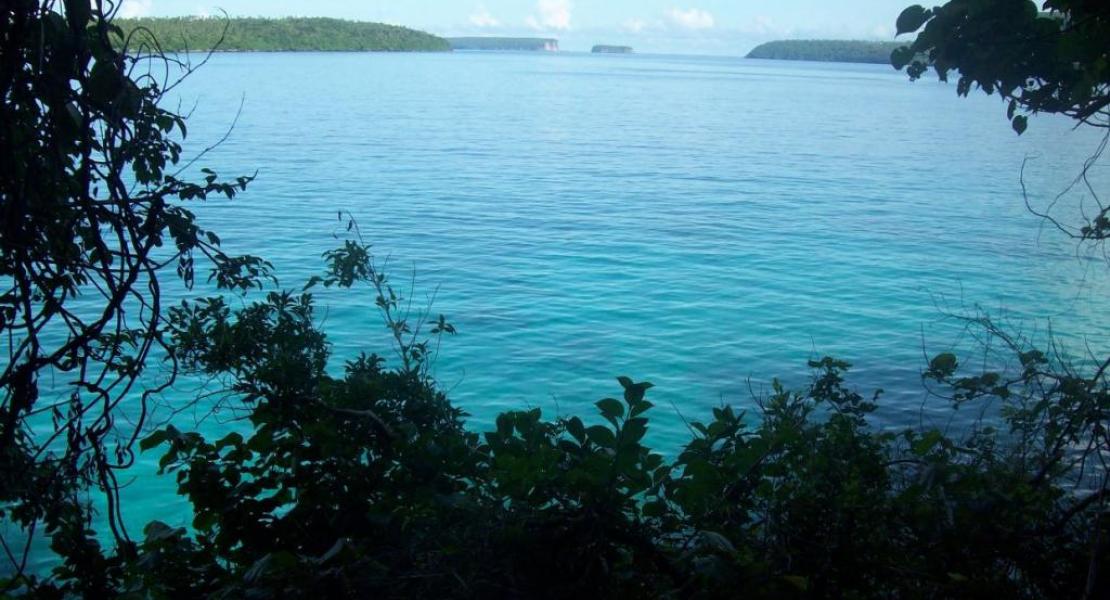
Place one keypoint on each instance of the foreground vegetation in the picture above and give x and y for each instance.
(366, 482)
(201, 34)
(369, 484)
(827, 51)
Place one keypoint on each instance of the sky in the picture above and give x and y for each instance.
(664, 26)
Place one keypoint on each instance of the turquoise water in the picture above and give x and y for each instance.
(702, 223)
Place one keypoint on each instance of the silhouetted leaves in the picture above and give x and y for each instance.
(1051, 60)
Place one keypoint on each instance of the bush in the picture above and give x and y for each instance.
(369, 484)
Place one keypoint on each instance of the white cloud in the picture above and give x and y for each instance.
(634, 25)
(763, 24)
(691, 18)
(482, 18)
(134, 8)
(554, 14)
(884, 31)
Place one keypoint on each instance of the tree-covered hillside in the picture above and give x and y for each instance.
(512, 44)
(268, 35)
(826, 51)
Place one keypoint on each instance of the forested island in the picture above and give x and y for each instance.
(604, 49)
(851, 51)
(505, 44)
(180, 34)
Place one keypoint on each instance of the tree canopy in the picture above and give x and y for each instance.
(1053, 59)
(94, 218)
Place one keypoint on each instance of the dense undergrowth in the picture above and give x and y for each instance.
(369, 483)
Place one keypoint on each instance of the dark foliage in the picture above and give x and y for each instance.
(1052, 59)
(368, 484)
(92, 214)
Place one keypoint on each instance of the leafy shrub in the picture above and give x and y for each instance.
(369, 484)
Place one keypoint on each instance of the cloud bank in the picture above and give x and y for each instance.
(692, 18)
(482, 18)
(553, 15)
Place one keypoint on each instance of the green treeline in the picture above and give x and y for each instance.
(827, 51)
(178, 34)
(504, 43)
(604, 49)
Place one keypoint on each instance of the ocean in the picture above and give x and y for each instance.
(704, 223)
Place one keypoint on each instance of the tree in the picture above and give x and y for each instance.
(92, 218)
(1052, 60)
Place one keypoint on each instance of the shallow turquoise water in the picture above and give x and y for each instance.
(689, 221)
(701, 223)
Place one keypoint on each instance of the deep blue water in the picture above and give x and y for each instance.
(702, 223)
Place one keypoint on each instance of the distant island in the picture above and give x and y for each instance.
(504, 43)
(827, 51)
(604, 49)
(180, 34)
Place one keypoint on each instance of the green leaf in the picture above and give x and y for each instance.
(943, 365)
(656, 508)
(156, 531)
(504, 424)
(640, 407)
(927, 442)
(232, 439)
(634, 431)
(602, 436)
(576, 429)
(1032, 358)
(205, 521)
(611, 409)
(798, 582)
(152, 440)
(716, 541)
(901, 57)
(912, 19)
(634, 392)
(1020, 123)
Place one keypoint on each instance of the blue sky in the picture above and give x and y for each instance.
(690, 26)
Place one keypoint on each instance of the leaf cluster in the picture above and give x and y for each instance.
(1051, 59)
